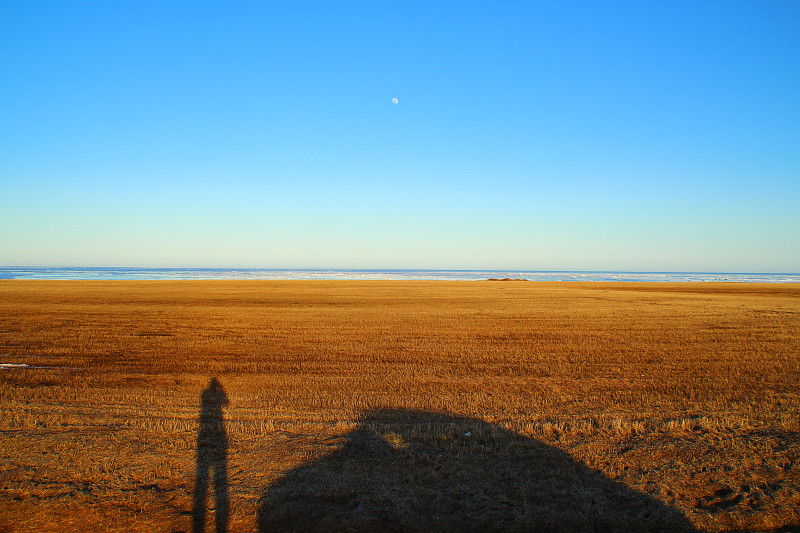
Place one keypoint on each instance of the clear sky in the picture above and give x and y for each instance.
(527, 135)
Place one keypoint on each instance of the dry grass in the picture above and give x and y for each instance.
(673, 405)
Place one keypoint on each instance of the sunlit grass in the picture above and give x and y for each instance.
(676, 390)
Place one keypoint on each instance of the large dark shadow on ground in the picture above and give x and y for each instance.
(212, 460)
(402, 470)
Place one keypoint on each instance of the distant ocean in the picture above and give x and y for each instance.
(120, 273)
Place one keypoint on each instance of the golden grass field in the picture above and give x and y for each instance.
(399, 406)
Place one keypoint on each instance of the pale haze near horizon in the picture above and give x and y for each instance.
(531, 136)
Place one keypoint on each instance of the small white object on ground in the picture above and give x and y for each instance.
(23, 365)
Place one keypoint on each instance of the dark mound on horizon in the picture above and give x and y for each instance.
(507, 279)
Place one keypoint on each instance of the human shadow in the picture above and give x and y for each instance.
(212, 456)
(406, 470)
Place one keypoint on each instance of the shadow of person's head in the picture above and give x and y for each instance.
(402, 470)
(215, 392)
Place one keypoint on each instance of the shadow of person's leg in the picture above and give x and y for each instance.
(221, 492)
(200, 492)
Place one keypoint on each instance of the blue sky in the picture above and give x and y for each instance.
(528, 135)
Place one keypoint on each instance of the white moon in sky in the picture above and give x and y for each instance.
(395, 100)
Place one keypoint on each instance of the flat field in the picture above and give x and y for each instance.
(398, 406)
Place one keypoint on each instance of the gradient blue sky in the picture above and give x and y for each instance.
(528, 135)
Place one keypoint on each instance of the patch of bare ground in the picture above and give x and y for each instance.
(398, 406)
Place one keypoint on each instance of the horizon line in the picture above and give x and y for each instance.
(353, 269)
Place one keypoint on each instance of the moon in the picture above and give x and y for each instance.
(395, 100)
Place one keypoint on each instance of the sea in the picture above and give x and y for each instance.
(141, 273)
